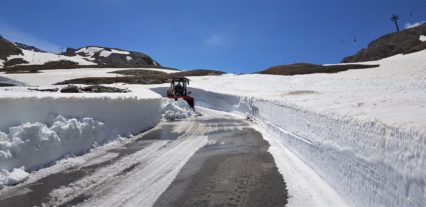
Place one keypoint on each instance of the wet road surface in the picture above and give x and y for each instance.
(232, 168)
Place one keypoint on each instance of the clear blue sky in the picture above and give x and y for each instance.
(230, 35)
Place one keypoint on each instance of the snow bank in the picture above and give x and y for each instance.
(37, 129)
(179, 109)
(34, 145)
(367, 162)
(14, 177)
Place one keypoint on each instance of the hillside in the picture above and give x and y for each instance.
(19, 57)
(306, 68)
(112, 56)
(403, 42)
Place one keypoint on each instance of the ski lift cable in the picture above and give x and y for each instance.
(353, 35)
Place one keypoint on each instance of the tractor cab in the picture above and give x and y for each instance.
(178, 89)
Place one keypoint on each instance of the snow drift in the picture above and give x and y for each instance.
(18, 175)
(179, 109)
(36, 144)
(368, 162)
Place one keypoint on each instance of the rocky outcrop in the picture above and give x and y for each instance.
(403, 42)
(7, 49)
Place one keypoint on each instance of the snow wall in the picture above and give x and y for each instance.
(368, 163)
(36, 131)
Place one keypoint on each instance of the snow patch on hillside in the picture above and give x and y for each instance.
(1, 63)
(422, 38)
(40, 58)
(107, 53)
(89, 51)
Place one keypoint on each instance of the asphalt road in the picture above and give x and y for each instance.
(232, 168)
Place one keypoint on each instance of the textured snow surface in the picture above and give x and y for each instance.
(34, 132)
(40, 58)
(304, 185)
(17, 175)
(152, 171)
(172, 110)
(34, 145)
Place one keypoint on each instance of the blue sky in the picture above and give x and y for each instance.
(230, 35)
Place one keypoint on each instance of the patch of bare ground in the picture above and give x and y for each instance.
(199, 72)
(65, 64)
(403, 42)
(301, 92)
(6, 85)
(138, 76)
(306, 68)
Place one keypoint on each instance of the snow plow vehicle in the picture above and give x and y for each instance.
(178, 89)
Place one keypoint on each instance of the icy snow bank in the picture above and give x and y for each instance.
(17, 175)
(34, 145)
(367, 162)
(33, 132)
(179, 109)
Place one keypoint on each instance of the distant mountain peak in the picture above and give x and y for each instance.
(113, 56)
(19, 54)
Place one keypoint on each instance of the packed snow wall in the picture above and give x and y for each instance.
(367, 162)
(36, 131)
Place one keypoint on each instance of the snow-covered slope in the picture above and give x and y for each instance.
(40, 58)
(363, 131)
(113, 57)
(15, 54)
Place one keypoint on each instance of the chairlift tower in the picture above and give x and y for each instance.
(395, 19)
